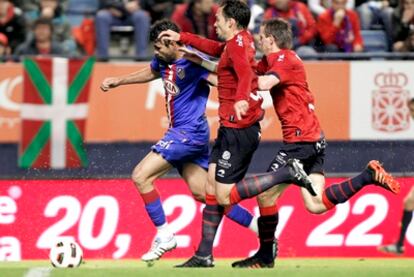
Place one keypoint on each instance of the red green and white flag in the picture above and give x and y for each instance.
(54, 112)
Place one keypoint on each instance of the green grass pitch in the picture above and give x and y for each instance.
(284, 267)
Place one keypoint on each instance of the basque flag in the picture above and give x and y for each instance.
(54, 112)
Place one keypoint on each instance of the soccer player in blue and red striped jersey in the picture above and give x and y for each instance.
(186, 142)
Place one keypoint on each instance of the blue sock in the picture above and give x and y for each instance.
(239, 215)
(154, 207)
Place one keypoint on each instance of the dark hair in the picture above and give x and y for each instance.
(411, 101)
(280, 30)
(237, 10)
(43, 21)
(162, 25)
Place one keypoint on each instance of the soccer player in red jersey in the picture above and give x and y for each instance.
(239, 133)
(284, 75)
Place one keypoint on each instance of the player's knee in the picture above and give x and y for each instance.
(139, 178)
(409, 203)
(223, 200)
(198, 196)
(314, 208)
(265, 199)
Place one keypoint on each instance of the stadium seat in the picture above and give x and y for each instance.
(123, 34)
(374, 40)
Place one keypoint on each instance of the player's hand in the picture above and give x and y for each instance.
(109, 83)
(170, 35)
(241, 107)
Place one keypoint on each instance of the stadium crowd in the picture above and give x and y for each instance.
(79, 27)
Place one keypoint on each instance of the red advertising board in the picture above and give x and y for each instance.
(108, 220)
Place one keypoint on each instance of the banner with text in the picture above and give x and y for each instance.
(125, 113)
(108, 220)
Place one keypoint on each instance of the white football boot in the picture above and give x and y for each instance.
(160, 245)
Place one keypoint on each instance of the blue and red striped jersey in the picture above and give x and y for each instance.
(186, 90)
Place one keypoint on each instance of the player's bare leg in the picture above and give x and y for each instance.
(196, 177)
(398, 247)
(268, 220)
(150, 168)
(334, 194)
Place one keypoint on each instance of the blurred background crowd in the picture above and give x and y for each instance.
(108, 28)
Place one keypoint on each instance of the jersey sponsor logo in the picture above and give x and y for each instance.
(171, 88)
(389, 102)
(226, 155)
(181, 73)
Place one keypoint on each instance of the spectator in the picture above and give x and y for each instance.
(53, 10)
(198, 17)
(160, 9)
(403, 26)
(42, 42)
(12, 23)
(118, 13)
(301, 19)
(4, 48)
(317, 6)
(339, 29)
(373, 13)
(256, 16)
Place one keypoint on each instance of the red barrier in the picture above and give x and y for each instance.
(108, 220)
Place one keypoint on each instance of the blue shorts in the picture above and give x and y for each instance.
(185, 145)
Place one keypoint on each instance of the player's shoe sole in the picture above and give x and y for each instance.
(389, 182)
(391, 249)
(256, 261)
(300, 177)
(158, 249)
(196, 261)
(252, 262)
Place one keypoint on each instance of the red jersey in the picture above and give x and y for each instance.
(299, 16)
(329, 32)
(236, 76)
(292, 100)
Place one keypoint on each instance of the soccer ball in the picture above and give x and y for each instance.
(66, 254)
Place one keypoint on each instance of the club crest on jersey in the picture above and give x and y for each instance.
(171, 88)
(181, 73)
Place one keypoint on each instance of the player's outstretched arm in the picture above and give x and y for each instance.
(209, 46)
(141, 76)
(197, 59)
